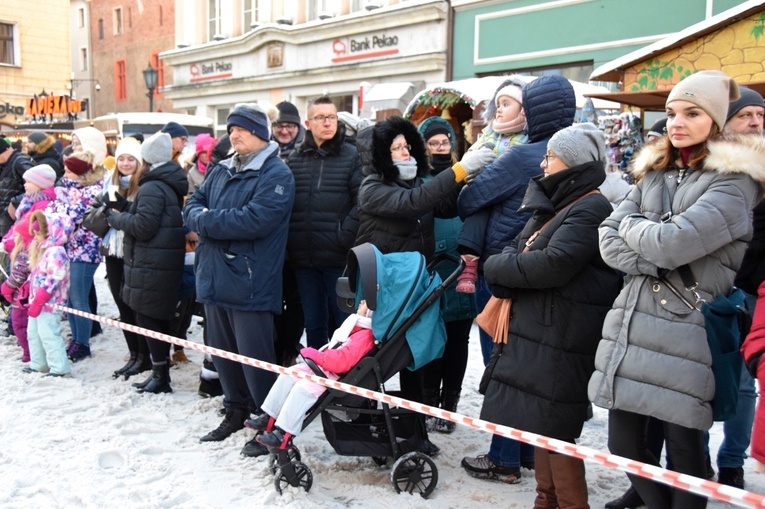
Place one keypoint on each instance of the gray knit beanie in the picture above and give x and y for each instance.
(249, 116)
(579, 144)
(748, 98)
(158, 148)
(712, 91)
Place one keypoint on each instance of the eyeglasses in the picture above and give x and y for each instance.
(439, 144)
(399, 148)
(284, 127)
(323, 118)
(547, 158)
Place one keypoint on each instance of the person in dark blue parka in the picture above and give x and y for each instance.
(242, 214)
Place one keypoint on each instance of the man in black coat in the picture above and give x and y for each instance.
(13, 164)
(324, 221)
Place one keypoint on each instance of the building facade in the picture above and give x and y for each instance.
(303, 54)
(568, 37)
(34, 57)
(126, 37)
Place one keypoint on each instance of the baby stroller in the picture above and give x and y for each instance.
(409, 332)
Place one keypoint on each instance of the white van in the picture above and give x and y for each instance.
(117, 126)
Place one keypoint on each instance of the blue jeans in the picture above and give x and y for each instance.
(482, 296)
(80, 283)
(506, 452)
(317, 295)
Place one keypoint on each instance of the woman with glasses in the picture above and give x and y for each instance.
(444, 376)
(398, 203)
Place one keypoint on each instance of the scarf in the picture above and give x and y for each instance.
(513, 126)
(440, 162)
(407, 170)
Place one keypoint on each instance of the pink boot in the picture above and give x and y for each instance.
(20, 318)
(466, 281)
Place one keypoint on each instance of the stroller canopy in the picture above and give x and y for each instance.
(395, 285)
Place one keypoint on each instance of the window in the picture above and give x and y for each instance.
(213, 19)
(120, 80)
(101, 29)
(117, 20)
(83, 59)
(81, 17)
(7, 44)
(250, 14)
(157, 63)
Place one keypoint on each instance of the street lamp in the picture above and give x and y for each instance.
(70, 87)
(150, 78)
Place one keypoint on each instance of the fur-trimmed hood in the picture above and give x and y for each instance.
(383, 134)
(728, 154)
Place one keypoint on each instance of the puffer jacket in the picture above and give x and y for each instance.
(654, 359)
(45, 153)
(550, 105)
(73, 197)
(154, 242)
(12, 185)
(51, 273)
(397, 215)
(242, 218)
(561, 290)
(324, 218)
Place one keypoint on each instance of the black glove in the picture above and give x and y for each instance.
(119, 203)
(501, 292)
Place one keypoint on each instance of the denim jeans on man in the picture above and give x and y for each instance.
(80, 283)
(317, 295)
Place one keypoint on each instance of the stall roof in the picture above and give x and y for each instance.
(385, 96)
(612, 71)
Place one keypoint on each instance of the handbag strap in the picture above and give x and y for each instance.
(534, 235)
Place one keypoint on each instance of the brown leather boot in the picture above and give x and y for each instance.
(570, 484)
(545, 487)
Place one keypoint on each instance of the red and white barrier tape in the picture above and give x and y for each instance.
(695, 485)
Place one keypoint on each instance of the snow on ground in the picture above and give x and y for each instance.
(92, 442)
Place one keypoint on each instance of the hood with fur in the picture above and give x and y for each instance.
(728, 154)
(383, 134)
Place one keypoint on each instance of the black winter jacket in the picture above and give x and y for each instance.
(11, 185)
(154, 245)
(324, 219)
(561, 291)
(397, 215)
(52, 158)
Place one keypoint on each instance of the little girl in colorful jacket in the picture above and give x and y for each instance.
(49, 286)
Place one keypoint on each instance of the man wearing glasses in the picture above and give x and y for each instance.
(286, 129)
(327, 171)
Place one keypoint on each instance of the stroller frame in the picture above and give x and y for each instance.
(379, 428)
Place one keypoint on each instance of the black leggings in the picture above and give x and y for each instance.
(627, 438)
(160, 350)
(448, 372)
(115, 271)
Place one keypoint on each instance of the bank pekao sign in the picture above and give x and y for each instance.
(205, 71)
(360, 47)
(9, 109)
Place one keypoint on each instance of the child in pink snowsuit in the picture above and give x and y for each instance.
(753, 350)
(290, 398)
(38, 187)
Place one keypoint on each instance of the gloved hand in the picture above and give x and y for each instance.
(7, 292)
(311, 353)
(116, 201)
(475, 160)
(41, 298)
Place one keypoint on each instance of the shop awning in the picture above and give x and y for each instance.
(656, 99)
(388, 96)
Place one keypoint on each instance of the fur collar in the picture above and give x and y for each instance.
(728, 154)
(383, 134)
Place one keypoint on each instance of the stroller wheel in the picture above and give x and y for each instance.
(295, 474)
(414, 471)
(380, 461)
(293, 453)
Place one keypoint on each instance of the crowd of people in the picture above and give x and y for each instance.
(253, 232)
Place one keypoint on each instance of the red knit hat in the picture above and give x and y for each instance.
(79, 163)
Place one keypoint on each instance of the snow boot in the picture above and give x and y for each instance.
(466, 281)
(160, 379)
(430, 397)
(127, 366)
(449, 400)
(142, 363)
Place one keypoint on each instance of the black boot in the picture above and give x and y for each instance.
(130, 362)
(142, 363)
(449, 400)
(629, 500)
(430, 398)
(160, 380)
